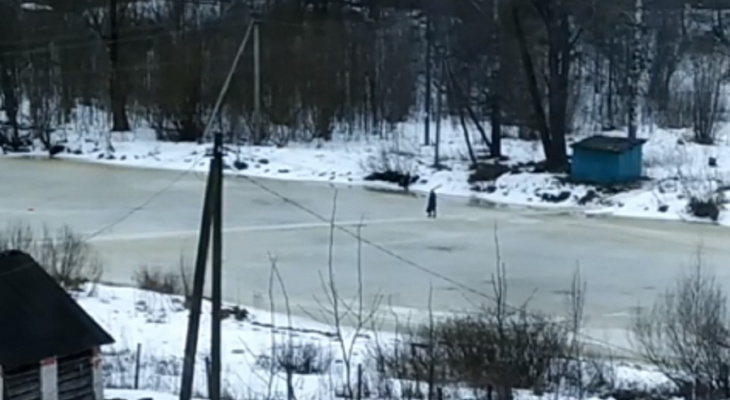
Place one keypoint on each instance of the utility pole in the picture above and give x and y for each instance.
(636, 70)
(257, 81)
(214, 391)
(212, 215)
(196, 302)
(429, 83)
(496, 111)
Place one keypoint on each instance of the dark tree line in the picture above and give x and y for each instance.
(546, 67)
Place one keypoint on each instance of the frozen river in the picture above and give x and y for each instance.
(625, 262)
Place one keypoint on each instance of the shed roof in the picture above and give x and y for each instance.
(608, 144)
(38, 318)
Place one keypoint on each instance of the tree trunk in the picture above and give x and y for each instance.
(117, 93)
(535, 96)
(465, 129)
(455, 100)
(558, 87)
(496, 122)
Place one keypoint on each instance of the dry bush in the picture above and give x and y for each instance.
(500, 348)
(516, 355)
(685, 333)
(157, 280)
(478, 352)
(164, 281)
(64, 254)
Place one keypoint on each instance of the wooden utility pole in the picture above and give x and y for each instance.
(196, 302)
(257, 82)
(214, 391)
(429, 82)
(212, 215)
(496, 106)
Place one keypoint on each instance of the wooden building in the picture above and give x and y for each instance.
(49, 346)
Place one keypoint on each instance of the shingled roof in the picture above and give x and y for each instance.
(608, 144)
(38, 318)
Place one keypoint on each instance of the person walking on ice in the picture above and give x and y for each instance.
(431, 206)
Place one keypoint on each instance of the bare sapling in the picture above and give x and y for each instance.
(288, 358)
(348, 317)
(569, 374)
(386, 358)
(272, 334)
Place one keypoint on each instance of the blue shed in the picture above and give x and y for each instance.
(607, 160)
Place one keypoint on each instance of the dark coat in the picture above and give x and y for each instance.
(431, 207)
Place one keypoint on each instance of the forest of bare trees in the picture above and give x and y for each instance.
(545, 67)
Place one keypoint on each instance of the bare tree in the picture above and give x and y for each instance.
(707, 72)
(107, 25)
(685, 332)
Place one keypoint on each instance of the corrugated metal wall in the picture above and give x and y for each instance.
(23, 383)
(75, 377)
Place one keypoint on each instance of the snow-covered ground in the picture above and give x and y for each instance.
(677, 168)
(154, 324)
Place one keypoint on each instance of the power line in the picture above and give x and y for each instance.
(298, 205)
(123, 217)
(132, 35)
(411, 263)
(86, 43)
(146, 202)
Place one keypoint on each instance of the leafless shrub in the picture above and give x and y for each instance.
(64, 254)
(518, 354)
(18, 236)
(685, 333)
(68, 258)
(159, 280)
(475, 351)
(156, 372)
(156, 280)
(707, 72)
(302, 359)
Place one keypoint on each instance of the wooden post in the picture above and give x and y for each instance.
(137, 365)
